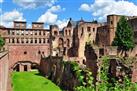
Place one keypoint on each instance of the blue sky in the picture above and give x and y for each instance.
(59, 11)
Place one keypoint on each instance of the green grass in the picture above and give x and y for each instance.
(32, 81)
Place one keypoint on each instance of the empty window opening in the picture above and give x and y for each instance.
(35, 32)
(68, 43)
(13, 33)
(48, 41)
(25, 68)
(82, 31)
(35, 40)
(93, 29)
(22, 40)
(27, 41)
(111, 22)
(69, 32)
(17, 40)
(39, 52)
(39, 40)
(13, 41)
(89, 29)
(39, 32)
(31, 40)
(55, 33)
(66, 32)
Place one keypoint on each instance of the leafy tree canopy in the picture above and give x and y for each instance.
(124, 35)
(1, 42)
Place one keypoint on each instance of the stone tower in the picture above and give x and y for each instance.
(112, 21)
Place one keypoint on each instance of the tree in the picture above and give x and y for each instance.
(124, 35)
(1, 42)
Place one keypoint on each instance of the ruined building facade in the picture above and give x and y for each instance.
(79, 41)
(27, 45)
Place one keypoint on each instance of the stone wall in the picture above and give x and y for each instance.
(4, 72)
(54, 69)
(24, 52)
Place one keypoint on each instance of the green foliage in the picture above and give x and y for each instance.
(102, 84)
(2, 42)
(84, 77)
(124, 35)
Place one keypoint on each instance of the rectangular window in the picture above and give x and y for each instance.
(44, 41)
(9, 32)
(82, 31)
(13, 40)
(31, 40)
(35, 32)
(89, 29)
(13, 32)
(35, 40)
(39, 32)
(93, 29)
(39, 40)
(17, 40)
(44, 33)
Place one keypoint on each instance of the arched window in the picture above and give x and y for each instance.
(68, 43)
(60, 41)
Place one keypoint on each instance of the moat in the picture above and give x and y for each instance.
(32, 81)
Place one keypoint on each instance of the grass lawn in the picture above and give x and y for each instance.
(32, 81)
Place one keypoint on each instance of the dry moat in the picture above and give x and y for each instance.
(32, 81)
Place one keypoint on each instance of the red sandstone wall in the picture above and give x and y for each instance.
(33, 53)
(4, 64)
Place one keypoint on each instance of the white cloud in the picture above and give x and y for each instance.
(56, 9)
(49, 16)
(102, 8)
(85, 7)
(62, 23)
(8, 17)
(1, 1)
(34, 3)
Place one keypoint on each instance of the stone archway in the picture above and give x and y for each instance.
(24, 66)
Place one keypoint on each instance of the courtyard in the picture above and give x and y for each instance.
(32, 81)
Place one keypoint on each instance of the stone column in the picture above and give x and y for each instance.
(21, 68)
(33, 41)
(20, 40)
(10, 40)
(29, 67)
(15, 40)
(37, 40)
